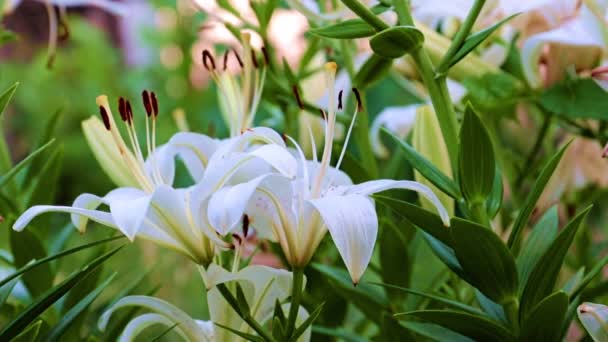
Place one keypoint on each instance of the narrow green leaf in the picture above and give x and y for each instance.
(246, 336)
(7, 177)
(544, 318)
(5, 291)
(543, 277)
(530, 202)
(6, 97)
(477, 166)
(472, 326)
(595, 271)
(486, 261)
(27, 247)
(70, 316)
(30, 333)
(242, 300)
(434, 332)
(35, 309)
(50, 258)
(539, 240)
(278, 312)
(348, 29)
(278, 329)
(392, 331)
(594, 318)
(574, 281)
(42, 190)
(445, 301)
(164, 332)
(425, 167)
(475, 40)
(307, 323)
(492, 309)
(396, 41)
(580, 98)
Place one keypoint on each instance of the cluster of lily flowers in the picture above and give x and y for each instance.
(256, 181)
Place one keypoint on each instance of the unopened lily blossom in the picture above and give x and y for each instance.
(257, 194)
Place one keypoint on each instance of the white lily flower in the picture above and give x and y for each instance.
(262, 287)
(151, 208)
(580, 41)
(298, 213)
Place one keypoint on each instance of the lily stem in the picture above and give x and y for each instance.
(296, 296)
(246, 316)
(436, 86)
(511, 309)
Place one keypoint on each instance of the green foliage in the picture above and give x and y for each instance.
(396, 41)
(581, 98)
(348, 29)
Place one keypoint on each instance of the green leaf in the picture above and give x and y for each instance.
(396, 41)
(425, 167)
(486, 261)
(576, 99)
(392, 331)
(307, 323)
(595, 271)
(395, 260)
(246, 336)
(421, 218)
(594, 318)
(530, 202)
(497, 93)
(445, 301)
(42, 190)
(476, 159)
(544, 275)
(6, 97)
(538, 242)
(544, 318)
(348, 29)
(373, 70)
(27, 247)
(493, 310)
(35, 309)
(343, 335)
(474, 40)
(365, 297)
(434, 332)
(69, 317)
(30, 334)
(494, 202)
(242, 300)
(7, 177)
(5, 291)
(475, 327)
(50, 258)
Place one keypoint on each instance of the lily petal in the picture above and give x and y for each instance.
(94, 215)
(353, 225)
(374, 186)
(187, 325)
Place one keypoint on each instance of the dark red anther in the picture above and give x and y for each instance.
(358, 97)
(254, 59)
(340, 100)
(122, 109)
(129, 111)
(154, 103)
(238, 239)
(284, 136)
(266, 57)
(208, 61)
(146, 98)
(297, 95)
(323, 114)
(105, 117)
(245, 225)
(226, 59)
(238, 58)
